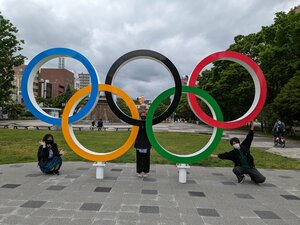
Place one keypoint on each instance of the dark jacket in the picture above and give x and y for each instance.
(235, 156)
(142, 140)
(43, 154)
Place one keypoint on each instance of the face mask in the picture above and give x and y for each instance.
(49, 142)
(143, 117)
(236, 145)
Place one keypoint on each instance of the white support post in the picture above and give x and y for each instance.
(182, 167)
(99, 169)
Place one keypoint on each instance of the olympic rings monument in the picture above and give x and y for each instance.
(183, 161)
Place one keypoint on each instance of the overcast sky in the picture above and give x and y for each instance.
(104, 30)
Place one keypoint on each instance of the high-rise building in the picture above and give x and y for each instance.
(61, 63)
(84, 79)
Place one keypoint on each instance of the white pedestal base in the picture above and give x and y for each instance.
(182, 172)
(99, 170)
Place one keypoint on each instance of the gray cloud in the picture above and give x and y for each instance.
(102, 30)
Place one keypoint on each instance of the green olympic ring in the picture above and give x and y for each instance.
(208, 148)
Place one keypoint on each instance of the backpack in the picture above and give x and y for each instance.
(280, 127)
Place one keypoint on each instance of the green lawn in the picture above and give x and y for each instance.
(21, 146)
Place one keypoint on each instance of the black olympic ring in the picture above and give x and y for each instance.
(148, 54)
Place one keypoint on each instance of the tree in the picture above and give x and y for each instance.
(43, 101)
(287, 103)
(280, 56)
(123, 107)
(161, 108)
(60, 100)
(15, 110)
(183, 109)
(276, 49)
(10, 57)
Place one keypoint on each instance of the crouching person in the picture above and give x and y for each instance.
(242, 158)
(49, 157)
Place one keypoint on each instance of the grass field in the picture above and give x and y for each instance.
(18, 146)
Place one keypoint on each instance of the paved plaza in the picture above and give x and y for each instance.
(211, 196)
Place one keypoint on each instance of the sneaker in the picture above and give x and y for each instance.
(145, 175)
(50, 173)
(241, 179)
(139, 174)
(56, 172)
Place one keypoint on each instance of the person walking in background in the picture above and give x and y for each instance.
(49, 157)
(143, 146)
(100, 124)
(242, 158)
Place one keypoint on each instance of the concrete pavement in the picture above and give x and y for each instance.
(211, 196)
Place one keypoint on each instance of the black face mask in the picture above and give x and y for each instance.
(143, 117)
(49, 142)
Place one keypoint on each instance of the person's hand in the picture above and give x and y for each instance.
(213, 156)
(42, 143)
(252, 125)
(62, 152)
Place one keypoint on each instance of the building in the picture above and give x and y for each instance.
(184, 80)
(76, 81)
(17, 94)
(103, 111)
(19, 70)
(58, 78)
(84, 80)
(143, 105)
(45, 89)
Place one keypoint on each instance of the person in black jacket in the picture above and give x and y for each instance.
(100, 124)
(49, 157)
(143, 146)
(242, 158)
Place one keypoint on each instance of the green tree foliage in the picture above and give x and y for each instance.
(60, 100)
(280, 56)
(183, 109)
(43, 101)
(276, 49)
(10, 57)
(15, 110)
(231, 87)
(287, 102)
(160, 109)
(167, 101)
(122, 105)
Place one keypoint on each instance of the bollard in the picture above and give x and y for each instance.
(182, 172)
(99, 170)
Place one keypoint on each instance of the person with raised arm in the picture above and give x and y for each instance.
(242, 158)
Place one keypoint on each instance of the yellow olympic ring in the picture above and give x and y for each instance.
(71, 139)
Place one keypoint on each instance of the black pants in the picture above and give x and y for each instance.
(255, 175)
(143, 161)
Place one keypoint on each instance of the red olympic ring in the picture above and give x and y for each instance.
(259, 82)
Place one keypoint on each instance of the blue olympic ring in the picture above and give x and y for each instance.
(31, 71)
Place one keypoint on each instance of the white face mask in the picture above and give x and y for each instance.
(236, 145)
